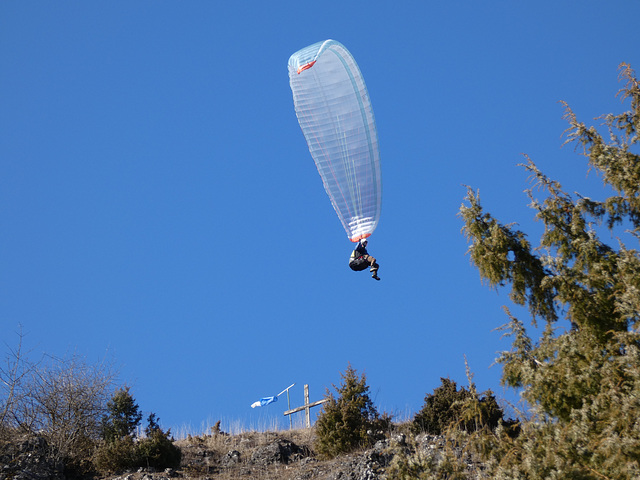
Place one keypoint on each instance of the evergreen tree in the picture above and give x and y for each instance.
(582, 382)
(461, 408)
(157, 449)
(350, 421)
(441, 408)
(118, 451)
(121, 450)
(123, 416)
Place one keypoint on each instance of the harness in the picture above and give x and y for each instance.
(357, 262)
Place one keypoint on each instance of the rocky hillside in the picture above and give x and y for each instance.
(258, 456)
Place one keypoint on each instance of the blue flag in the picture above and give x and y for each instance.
(264, 401)
(267, 400)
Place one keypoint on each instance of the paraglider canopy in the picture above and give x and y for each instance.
(334, 111)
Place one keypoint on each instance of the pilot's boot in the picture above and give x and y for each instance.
(374, 270)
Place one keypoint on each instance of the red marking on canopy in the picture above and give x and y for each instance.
(306, 66)
(360, 237)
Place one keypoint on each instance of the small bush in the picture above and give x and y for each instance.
(441, 408)
(351, 421)
(119, 451)
(448, 406)
(157, 449)
(116, 455)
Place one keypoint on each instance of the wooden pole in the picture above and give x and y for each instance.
(307, 410)
(289, 407)
(306, 407)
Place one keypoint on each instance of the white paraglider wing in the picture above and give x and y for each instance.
(334, 111)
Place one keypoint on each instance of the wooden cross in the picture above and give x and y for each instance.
(306, 407)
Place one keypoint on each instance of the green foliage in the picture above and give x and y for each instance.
(120, 451)
(583, 383)
(440, 409)
(351, 421)
(449, 407)
(153, 425)
(423, 465)
(116, 455)
(123, 416)
(157, 449)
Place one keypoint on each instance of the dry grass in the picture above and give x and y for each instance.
(237, 427)
(206, 455)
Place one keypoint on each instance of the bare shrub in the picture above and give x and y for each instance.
(59, 399)
(14, 378)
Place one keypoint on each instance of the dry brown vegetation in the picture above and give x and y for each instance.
(283, 455)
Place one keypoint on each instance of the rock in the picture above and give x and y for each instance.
(279, 451)
(28, 458)
(399, 439)
(380, 446)
(232, 457)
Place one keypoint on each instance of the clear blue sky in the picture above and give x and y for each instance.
(159, 206)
